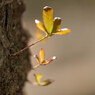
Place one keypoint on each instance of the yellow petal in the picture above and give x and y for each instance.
(57, 24)
(42, 55)
(63, 31)
(48, 18)
(40, 25)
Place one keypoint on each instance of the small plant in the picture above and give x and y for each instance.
(42, 61)
(50, 27)
(38, 82)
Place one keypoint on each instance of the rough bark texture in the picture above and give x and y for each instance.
(13, 69)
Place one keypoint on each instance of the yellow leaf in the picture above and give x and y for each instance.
(63, 31)
(40, 25)
(37, 58)
(39, 35)
(48, 18)
(46, 82)
(42, 55)
(38, 78)
(57, 24)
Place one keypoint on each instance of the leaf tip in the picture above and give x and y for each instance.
(65, 29)
(37, 21)
(54, 57)
(46, 8)
(34, 56)
(42, 49)
(57, 18)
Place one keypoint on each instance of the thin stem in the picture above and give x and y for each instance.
(37, 66)
(29, 46)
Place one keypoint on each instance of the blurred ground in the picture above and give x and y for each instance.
(74, 69)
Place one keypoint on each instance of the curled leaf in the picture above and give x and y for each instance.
(57, 24)
(46, 82)
(63, 31)
(38, 78)
(37, 58)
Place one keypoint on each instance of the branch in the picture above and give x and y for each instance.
(29, 46)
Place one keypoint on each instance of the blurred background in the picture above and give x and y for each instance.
(74, 69)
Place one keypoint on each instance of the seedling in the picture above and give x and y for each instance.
(38, 81)
(50, 27)
(41, 61)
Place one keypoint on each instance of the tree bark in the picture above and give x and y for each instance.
(13, 69)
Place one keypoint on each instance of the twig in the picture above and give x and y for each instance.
(29, 46)
(37, 66)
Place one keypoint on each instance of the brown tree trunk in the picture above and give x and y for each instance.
(13, 69)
